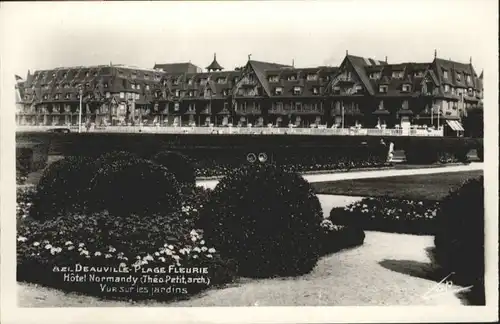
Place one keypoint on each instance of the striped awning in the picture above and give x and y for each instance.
(455, 125)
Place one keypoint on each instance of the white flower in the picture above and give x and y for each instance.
(22, 239)
(211, 250)
(209, 256)
(202, 242)
(165, 245)
(168, 252)
(197, 249)
(144, 262)
(193, 233)
(176, 257)
(148, 257)
(97, 253)
(195, 256)
(112, 249)
(71, 247)
(36, 243)
(171, 247)
(138, 257)
(193, 239)
(68, 243)
(81, 245)
(107, 256)
(204, 248)
(48, 246)
(162, 259)
(84, 252)
(157, 254)
(122, 265)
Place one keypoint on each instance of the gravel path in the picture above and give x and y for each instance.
(361, 276)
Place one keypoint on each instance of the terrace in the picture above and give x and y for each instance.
(353, 131)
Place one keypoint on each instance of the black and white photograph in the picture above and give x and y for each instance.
(246, 156)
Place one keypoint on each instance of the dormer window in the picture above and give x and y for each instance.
(315, 90)
(146, 76)
(446, 88)
(203, 81)
(383, 89)
(177, 93)
(67, 96)
(138, 87)
(445, 74)
(45, 97)
(459, 77)
(190, 81)
(452, 91)
(87, 74)
(292, 78)
(359, 88)
(95, 73)
(375, 75)
(147, 87)
(468, 78)
(419, 74)
(175, 81)
(56, 96)
(406, 88)
(132, 86)
(312, 77)
(105, 85)
(278, 90)
(397, 74)
(65, 74)
(221, 80)
(224, 92)
(274, 78)
(191, 93)
(296, 90)
(336, 90)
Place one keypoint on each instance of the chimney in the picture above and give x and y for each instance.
(470, 60)
(346, 52)
(386, 59)
(435, 53)
(293, 62)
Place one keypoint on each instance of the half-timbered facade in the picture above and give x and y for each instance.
(360, 92)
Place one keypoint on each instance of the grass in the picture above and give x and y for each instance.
(415, 187)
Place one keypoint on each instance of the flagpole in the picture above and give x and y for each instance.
(80, 112)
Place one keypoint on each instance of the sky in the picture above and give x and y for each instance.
(44, 35)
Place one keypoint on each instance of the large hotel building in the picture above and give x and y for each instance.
(361, 92)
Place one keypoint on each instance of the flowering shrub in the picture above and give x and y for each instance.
(130, 243)
(460, 239)
(24, 198)
(266, 219)
(389, 215)
(63, 188)
(337, 237)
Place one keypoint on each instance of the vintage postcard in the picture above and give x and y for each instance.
(254, 161)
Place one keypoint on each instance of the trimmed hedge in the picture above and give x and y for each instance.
(179, 165)
(338, 237)
(460, 239)
(133, 185)
(440, 150)
(389, 215)
(63, 188)
(266, 219)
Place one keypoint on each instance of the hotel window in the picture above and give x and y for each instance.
(226, 105)
(191, 93)
(397, 74)
(176, 106)
(419, 74)
(375, 76)
(292, 78)
(147, 87)
(315, 90)
(191, 107)
(221, 80)
(452, 91)
(132, 86)
(383, 89)
(359, 88)
(278, 90)
(95, 74)
(225, 92)
(298, 106)
(138, 87)
(190, 81)
(274, 78)
(406, 88)
(336, 90)
(108, 95)
(459, 77)
(468, 78)
(203, 81)
(312, 77)
(56, 97)
(177, 93)
(146, 76)
(87, 74)
(445, 74)
(122, 95)
(296, 90)
(105, 85)
(65, 75)
(175, 81)
(137, 96)
(67, 96)
(279, 106)
(446, 88)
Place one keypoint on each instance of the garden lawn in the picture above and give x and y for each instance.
(415, 187)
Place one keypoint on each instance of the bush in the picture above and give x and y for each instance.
(480, 149)
(24, 198)
(266, 219)
(63, 188)
(338, 237)
(389, 215)
(179, 165)
(134, 186)
(133, 245)
(460, 240)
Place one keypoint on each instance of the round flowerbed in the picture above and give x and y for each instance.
(266, 219)
(389, 215)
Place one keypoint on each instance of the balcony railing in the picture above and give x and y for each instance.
(240, 130)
